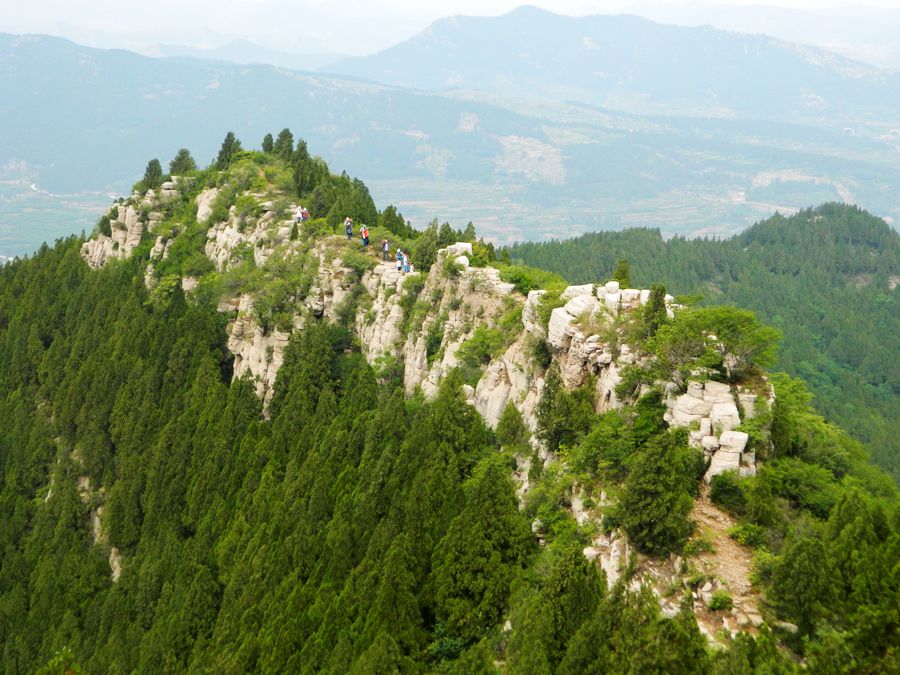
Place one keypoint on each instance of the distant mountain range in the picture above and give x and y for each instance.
(522, 148)
(635, 65)
(245, 51)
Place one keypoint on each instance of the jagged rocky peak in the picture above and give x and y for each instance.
(127, 221)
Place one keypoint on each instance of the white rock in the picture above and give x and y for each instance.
(692, 406)
(612, 286)
(575, 291)
(530, 319)
(710, 443)
(631, 297)
(460, 248)
(591, 553)
(645, 296)
(717, 392)
(204, 204)
(722, 461)
(580, 305)
(558, 334)
(724, 416)
(733, 441)
(695, 389)
(462, 261)
(748, 403)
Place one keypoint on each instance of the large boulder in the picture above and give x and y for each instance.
(530, 319)
(724, 416)
(204, 204)
(575, 291)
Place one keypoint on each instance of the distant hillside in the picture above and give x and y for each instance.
(827, 278)
(79, 120)
(244, 51)
(633, 64)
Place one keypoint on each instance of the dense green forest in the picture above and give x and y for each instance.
(153, 519)
(827, 278)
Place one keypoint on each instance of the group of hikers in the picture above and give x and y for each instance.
(363, 231)
(402, 257)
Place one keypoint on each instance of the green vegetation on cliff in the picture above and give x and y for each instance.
(827, 278)
(153, 519)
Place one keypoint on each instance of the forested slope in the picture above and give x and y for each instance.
(825, 277)
(154, 517)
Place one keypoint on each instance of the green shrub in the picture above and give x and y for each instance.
(450, 268)
(358, 262)
(434, 337)
(481, 347)
(721, 601)
(548, 302)
(104, 226)
(527, 279)
(748, 534)
(725, 490)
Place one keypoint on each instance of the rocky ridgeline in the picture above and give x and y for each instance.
(581, 334)
(128, 221)
(585, 338)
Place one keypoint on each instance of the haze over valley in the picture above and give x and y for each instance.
(691, 130)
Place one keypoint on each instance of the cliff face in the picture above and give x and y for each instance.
(128, 221)
(584, 335)
(427, 323)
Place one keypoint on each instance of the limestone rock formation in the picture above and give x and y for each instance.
(710, 410)
(256, 352)
(243, 234)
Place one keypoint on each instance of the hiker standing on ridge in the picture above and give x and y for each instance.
(364, 235)
(399, 259)
(385, 250)
(348, 225)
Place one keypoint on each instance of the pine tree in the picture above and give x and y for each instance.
(803, 584)
(230, 147)
(622, 273)
(484, 548)
(183, 163)
(655, 504)
(395, 609)
(268, 144)
(153, 175)
(511, 430)
(284, 144)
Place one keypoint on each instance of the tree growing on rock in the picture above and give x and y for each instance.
(182, 163)
(230, 147)
(153, 175)
(622, 273)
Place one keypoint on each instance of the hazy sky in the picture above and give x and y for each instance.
(311, 26)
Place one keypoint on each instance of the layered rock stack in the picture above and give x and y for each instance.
(710, 410)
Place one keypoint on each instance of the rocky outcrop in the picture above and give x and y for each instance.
(128, 221)
(710, 410)
(257, 353)
(460, 303)
(126, 230)
(380, 326)
(583, 336)
(204, 203)
(243, 234)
